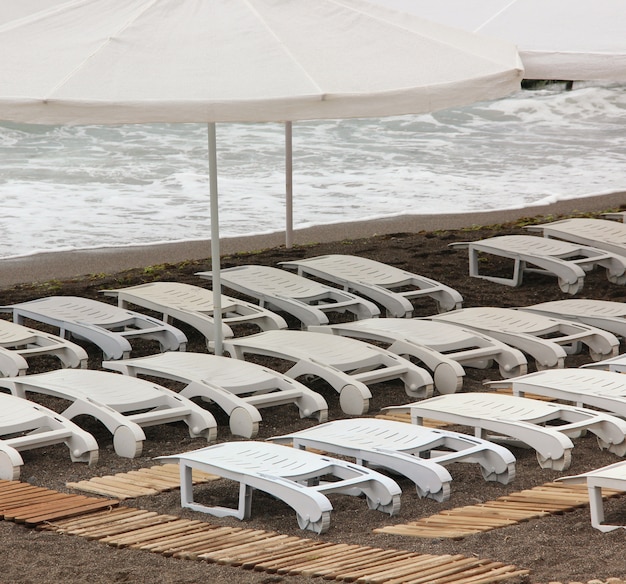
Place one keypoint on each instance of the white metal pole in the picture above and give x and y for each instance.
(215, 241)
(288, 186)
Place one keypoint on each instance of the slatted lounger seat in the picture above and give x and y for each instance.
(406, 449)
(601, 233)
(616, 216)
(288, 474)
(547, 340)
(123, 404)
(25, 425)
(567, 261)
(26, 342)
(612, 476)
(603, 314)
(106, 326)
(386, 285)
(193, 305)
(239, 388)
(304, 299)
(349, 366)
(617, 364)
(604, 390)
(442, 348)
(525, 420)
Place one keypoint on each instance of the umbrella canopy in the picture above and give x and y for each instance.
(141, 61)
(557, 39)
(136, 61)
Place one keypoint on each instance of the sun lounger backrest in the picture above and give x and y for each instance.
(387, 285)
(601, 233)
(306, 300)
(105, 325)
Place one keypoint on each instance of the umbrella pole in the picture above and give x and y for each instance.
(288, 186)
(215, 241)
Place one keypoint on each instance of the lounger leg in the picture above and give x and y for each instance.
(186, 497)
(597, 509)
(245, 500)
(186, 485)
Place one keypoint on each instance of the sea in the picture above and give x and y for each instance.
(87, 187)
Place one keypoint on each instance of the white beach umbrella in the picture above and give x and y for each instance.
(576, 40)
(143, 61)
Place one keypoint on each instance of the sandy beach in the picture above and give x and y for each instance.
(63, 265)
(552, 547)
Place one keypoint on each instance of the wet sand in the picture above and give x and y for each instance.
(66, 265)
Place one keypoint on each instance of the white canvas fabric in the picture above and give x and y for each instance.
(141, 61)
(10, 11)
(557, 39)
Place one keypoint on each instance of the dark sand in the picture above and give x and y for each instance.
(562, 547)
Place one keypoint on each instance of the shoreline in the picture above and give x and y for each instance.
(48, 266)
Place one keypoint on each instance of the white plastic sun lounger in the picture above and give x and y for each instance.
(193, 305)
(601, 233)
(25, 425)
(123, 404)
(288, 474)
(387, 285)
(306, 300)
(106, 326)
(604, 390)
(612, 476)
(616, 364)
(525, 420)
(567, 261)
(442, 348)
(349, 366)
(616, 216)
(239, 388)
(27, 342)
(602, 314)
(415, 452)
(547, 340)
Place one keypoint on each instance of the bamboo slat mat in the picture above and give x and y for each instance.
(24, 503)
(136, 483)
(547, 499)
(105, 521)
(275, 553)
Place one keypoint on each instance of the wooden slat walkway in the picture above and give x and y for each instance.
(275, 553)
(24, 503)
(137, 483)
(460, 522)
(105, 521)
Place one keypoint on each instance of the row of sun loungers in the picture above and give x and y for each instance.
(239, 388)
(568, 262)
(554, 319)
(443, 344)
(568, 250)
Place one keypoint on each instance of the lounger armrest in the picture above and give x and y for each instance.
(243, 417)
(10, 462)
(354, 395)
(169, 337)
(545, 352)
(113, 345)
(553, 448)
(431, 479)
(306, 314)
(12, 364)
